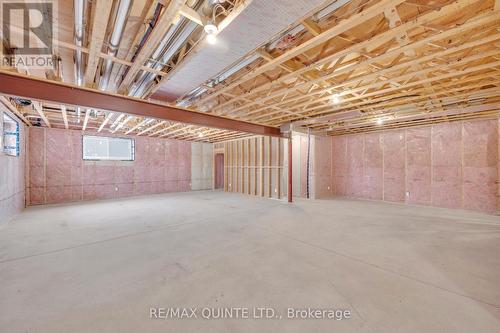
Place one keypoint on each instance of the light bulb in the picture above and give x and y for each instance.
(211, 39)
(210, 28)
(335, 99)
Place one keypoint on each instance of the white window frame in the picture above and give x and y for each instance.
(92, 158)
(17, 134)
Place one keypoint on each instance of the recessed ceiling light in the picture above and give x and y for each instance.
(335, 99)
(210, 28)
(380, 121)
(200, 135)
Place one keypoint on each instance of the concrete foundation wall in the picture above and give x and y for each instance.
(57, 172)
(12, 171)
(202, 166)
(453, 165)
(299, 167)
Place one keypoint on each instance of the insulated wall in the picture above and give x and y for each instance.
(12, 174)
(453, 165)
(57, 172)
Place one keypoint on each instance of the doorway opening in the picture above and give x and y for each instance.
(219, 171)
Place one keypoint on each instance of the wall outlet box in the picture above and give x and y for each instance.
(407, 193)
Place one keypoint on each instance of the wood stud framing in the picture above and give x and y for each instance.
(253, 167)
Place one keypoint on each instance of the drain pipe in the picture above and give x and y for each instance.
(114, 41)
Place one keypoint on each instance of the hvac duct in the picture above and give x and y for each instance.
(114, 40)
(173, 40)
(79, 12)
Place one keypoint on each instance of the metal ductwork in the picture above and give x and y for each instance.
(171, 43)
(256, 23)
(79, 13)
(121, 15)
(173, 40)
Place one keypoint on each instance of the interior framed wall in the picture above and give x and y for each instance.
(255, 166)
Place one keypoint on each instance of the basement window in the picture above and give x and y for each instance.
(102, 148)
(10, 136)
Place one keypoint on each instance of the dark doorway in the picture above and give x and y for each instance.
(219, 171)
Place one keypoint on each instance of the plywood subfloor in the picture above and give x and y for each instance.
(100, 266)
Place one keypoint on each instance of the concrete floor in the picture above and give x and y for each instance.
(100, 266)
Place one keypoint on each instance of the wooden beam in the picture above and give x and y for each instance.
(101, 11)
(106, 56)
(123, 123)
(86, 119)
(165, 21)
(191, 14)
(163, 129)
(39, 109)
(311, 26)
(151, 128)
(336, 30)
(106, 120)
(14, 110)
(21, 85)
(373, 75)
(64, 116)
(403, 39)
(139, 124)
(377, 40)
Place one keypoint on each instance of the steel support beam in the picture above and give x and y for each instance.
(60, 93)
